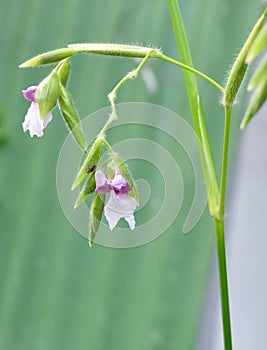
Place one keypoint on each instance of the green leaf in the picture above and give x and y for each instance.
(70, 116)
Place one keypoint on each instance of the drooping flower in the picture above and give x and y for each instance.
(33, 121)
(120, 203)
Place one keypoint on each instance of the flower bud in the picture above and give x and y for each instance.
(70, 116)
(91, 161)
(115, 49)
(48, 57)
(258, 46)
(240, 66)
(257, 99)
(63, 71)
(260, 74)
(95, 216)
(47, 94)
(87, 190)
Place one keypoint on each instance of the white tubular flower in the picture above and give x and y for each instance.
(120, 204)
(32, 121)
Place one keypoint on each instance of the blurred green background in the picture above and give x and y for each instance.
(56, 293)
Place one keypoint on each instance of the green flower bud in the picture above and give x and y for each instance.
(260, 74)
(95, 216)
(91, 161)
(258, 46)
(47, 94)
(114, 49)
(63, 71)
(257, 99)
(240, 66)
(70, 116)
(87, 190)
(48, 57)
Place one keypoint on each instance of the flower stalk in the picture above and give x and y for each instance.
(216, 197)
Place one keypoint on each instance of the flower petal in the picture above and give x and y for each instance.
(112, 217)
(102, 185)
(120, 184)
(131, 221)
(120, 206)
(33, 122)
(47, 120)
(29, 94)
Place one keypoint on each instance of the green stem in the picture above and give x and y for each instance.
(196, 109)
(190, 69)
(219, 226)
(215, 198)
(225, 159)
(112, 95)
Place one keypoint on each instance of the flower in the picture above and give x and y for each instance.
(33, 121)
(120, 204)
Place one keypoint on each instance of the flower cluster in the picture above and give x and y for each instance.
(52, 92)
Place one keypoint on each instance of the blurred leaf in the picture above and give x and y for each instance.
(260, 74)
(258, 98)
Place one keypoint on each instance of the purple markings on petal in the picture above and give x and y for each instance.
(120, 185)
(29, 94)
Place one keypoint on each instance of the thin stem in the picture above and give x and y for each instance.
(219, 226)
(215, 198)
(190, 69)
(225, 160)
(196, 109)
(108, 146)
(112, 95)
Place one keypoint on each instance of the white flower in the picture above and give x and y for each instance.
(120, 204)
(33, 121)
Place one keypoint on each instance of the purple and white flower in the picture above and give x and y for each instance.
(33, 121)
(120, 204)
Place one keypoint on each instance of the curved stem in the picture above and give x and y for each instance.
(112, 95)
(190, 69)
(225, 160)
(219, 227)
